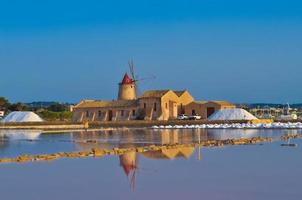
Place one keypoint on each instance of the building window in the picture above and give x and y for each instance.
(122, 113)
(145, 105)
(166, 105)
(100, 113)
(133, 112)
(193, 112)
(155, 107)
(87, 113)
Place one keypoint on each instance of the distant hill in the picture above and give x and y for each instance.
(45, 104)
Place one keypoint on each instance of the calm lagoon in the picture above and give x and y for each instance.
(259, 171)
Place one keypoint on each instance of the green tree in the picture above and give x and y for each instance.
(56, 116)
(18, 107)
(57, 107)
(4, 103)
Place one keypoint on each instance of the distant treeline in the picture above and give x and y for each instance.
(45, 104)
(271, 105)
(52, 111)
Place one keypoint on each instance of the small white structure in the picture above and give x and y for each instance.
(232, 114)
(21, 116)
(1, 114)
(288, 117)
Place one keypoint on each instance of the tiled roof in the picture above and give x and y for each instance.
(100, 104)
(184, 152)
(223, 103)
(154, 93)
(199, 102)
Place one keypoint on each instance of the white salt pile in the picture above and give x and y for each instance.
(275, 125)
(232, 114)
(21, 116)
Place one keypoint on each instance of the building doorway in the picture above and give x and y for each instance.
(172, 110)
(210, 111)
(182, 110)
(110, 114)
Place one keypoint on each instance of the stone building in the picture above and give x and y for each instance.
(163, 104)
(151, 105)
(206, 108)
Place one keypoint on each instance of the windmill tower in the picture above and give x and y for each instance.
(128, 88)
(129, 163)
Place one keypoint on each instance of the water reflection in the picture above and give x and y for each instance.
(184, 178)
(12, 141)
(16, 142)
(137, 137)
(183, 152)
(20, 134)
(143, 137)
(132, 138)
(129, 163)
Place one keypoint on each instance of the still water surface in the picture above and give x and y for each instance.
(261, 171)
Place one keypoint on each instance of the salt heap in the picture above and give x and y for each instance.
(232, 114)
(21, 116)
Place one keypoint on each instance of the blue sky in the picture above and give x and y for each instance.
(241, 51)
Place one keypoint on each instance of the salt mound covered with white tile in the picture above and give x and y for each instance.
(275, 125)
(232, 114)
(21, 116)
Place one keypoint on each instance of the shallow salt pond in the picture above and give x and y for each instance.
(260, 171)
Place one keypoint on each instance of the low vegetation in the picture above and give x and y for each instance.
(52, 111)
(55, 116)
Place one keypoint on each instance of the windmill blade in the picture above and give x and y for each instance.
(137, 89)
(131, 67)
(145, 78)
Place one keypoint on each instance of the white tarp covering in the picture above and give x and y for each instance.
(21, 116)
(232, 114)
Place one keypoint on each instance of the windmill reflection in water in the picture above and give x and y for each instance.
(132, 138)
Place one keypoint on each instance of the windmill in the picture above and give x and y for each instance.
(135, 78)
(129, 163)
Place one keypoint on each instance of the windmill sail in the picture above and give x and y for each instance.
(135, 78)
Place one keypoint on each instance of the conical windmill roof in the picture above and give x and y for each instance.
(126, 79)
(128, 162)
